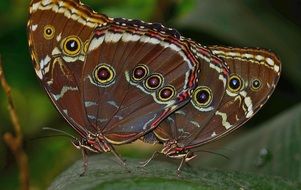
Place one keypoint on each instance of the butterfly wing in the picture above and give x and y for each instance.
(134, 77)
(254, 75)
(58, 32)
(185, 124)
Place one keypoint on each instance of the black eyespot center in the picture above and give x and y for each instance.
(72, 45)
(235, 83)
(202, 97)
(48, 31)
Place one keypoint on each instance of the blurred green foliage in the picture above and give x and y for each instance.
(272, 24)
(272, 149)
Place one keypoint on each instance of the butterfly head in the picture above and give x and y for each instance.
(93, 142)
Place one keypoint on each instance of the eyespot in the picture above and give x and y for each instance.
(256, 84)
(153, 82)
(202, 97)
(166, 93)
(49, 32)
(72, 45)
(140, 72)
(104, 75)
(235, 83)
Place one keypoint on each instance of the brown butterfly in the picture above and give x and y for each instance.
(112, 79)
(254, 74)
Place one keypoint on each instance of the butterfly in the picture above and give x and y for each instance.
(112, 79)
(253, 76)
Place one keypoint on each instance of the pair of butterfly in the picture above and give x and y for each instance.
(117, 80)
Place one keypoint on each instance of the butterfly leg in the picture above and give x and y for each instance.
(186, 158)
(119, 159)
(181, 164)
(83, 149)
(85, 162)
(145, 163)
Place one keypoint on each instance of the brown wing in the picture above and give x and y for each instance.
(120, 102)
(254, 75)
(186, 123)
(58, 32)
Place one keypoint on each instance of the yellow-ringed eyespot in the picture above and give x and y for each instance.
(153, 82)
(235, 83)
(140, 72)
(256, 84)
(49, 32)
(72, 46)
(104, 75)
(202, 97)
(166, 93)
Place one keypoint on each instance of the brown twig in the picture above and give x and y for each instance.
(15, 142)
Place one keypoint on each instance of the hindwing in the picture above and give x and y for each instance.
(185, 124)
(254, 75)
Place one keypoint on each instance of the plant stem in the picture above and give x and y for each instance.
(15, 142)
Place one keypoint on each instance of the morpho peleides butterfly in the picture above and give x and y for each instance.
(254, 74)
(112, 79)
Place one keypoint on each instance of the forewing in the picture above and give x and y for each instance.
(53, 27)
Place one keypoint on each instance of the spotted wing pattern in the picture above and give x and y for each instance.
(58, 33)
(149, 71)
(185, 124)
(254, 76)
(115, 80)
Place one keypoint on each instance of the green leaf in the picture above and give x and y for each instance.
(105, 173)
(249, 23)
(271, 149)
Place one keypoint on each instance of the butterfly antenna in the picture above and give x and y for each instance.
(49, 136)
(59, 131)
(215, 153)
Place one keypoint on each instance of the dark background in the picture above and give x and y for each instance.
(272, 24)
